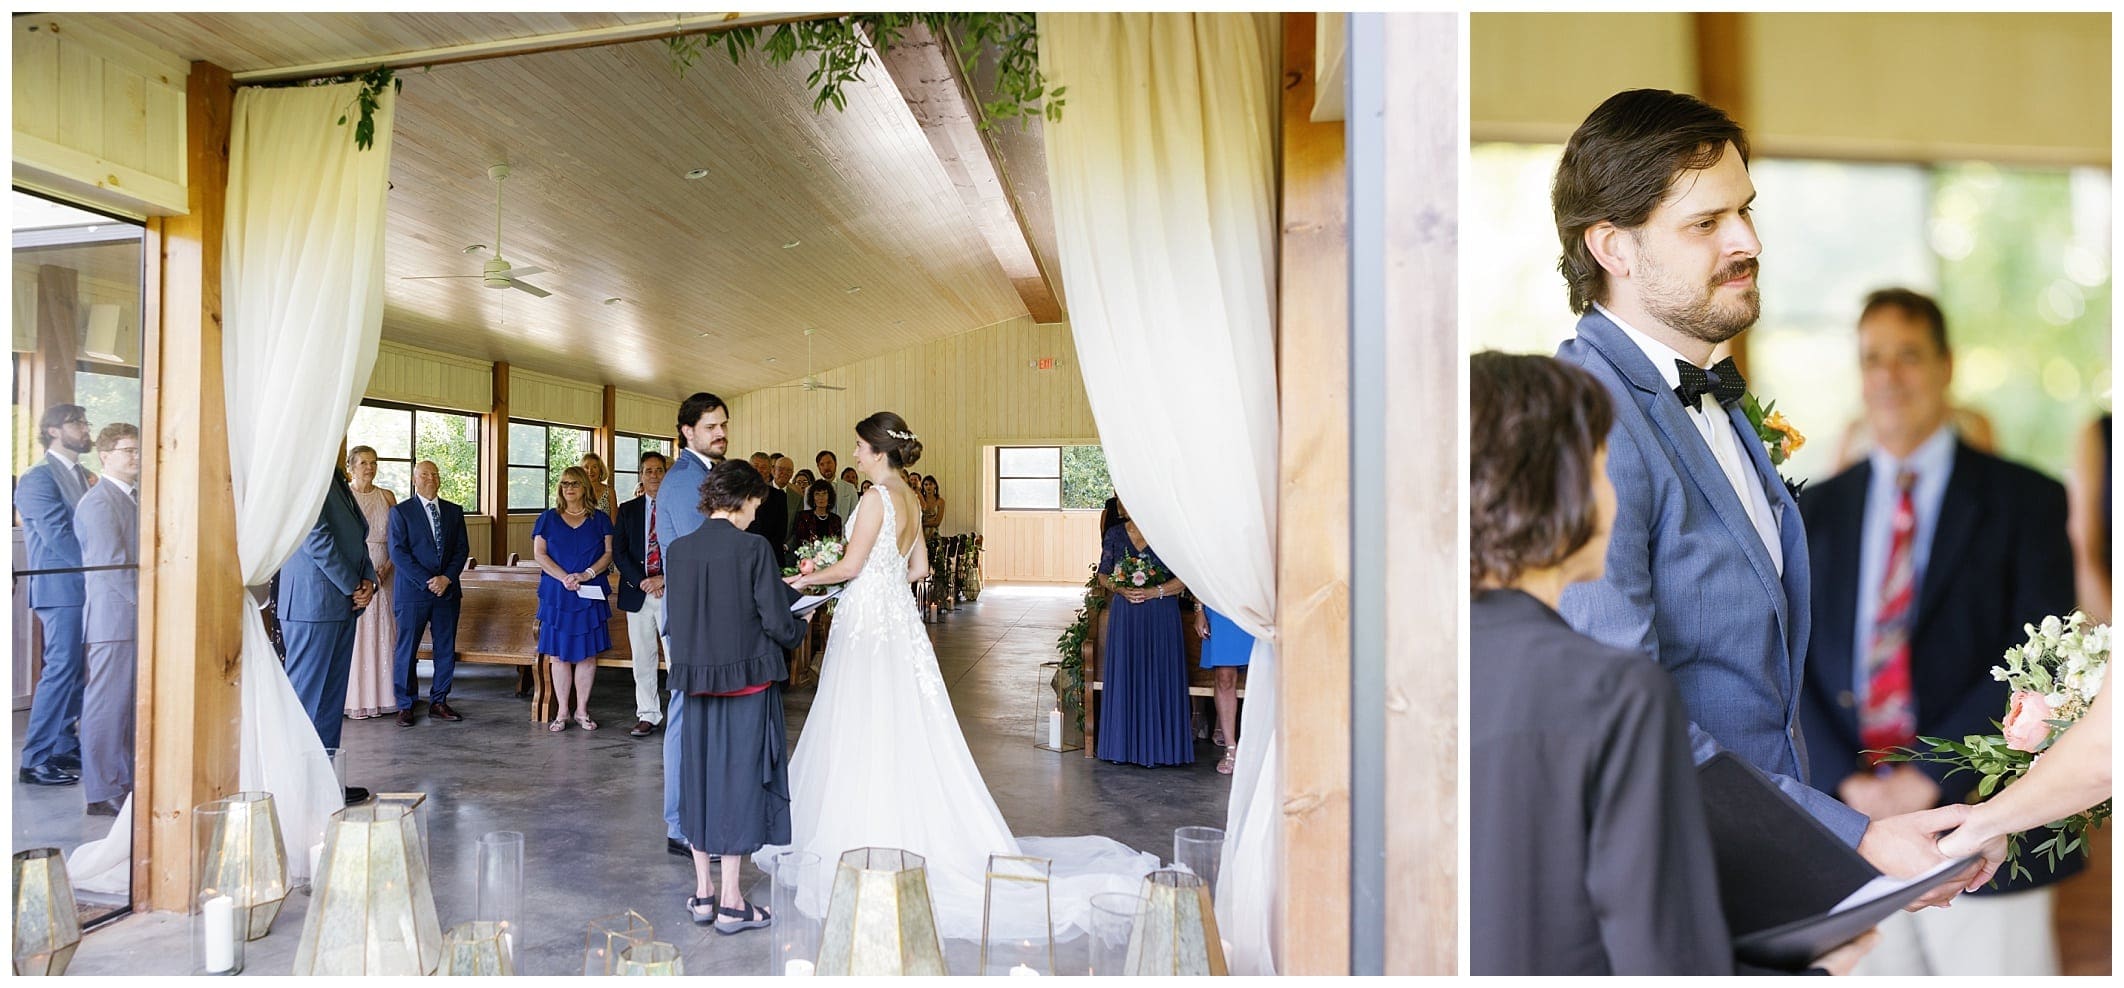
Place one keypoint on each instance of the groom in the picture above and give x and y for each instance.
(704, 431)
(1707, 566)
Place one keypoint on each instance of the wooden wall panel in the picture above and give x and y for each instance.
(645, 415)
(545, 398)
(424, 377)
(98, 116)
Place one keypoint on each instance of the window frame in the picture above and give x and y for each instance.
(545, 463)
(616, 473)
(413, 441)
(996, 492)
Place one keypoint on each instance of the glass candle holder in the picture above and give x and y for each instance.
(1199, 851)
(1113, 919)
(650, 959)
(47, 928)
(476, 948)
(879, 919)
(1017, 916)
(799, 905)
(1057, 726)
(236, 850)
(498, 865)
(608, 936)
(372, 910)
(1176, 932)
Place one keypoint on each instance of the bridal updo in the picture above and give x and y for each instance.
(888, 433)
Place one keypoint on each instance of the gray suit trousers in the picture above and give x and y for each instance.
(107, 721)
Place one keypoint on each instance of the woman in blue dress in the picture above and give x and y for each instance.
(1145, 719)
(573, 543)
(1225, 651)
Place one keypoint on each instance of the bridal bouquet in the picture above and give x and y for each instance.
(816, 555)
(1139, 571)
(2054, 676)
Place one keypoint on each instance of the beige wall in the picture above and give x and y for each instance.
(98, 116)
(2026, 88)
(438, 380)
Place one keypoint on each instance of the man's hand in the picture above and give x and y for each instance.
(1840, 961)
(1906, 846)
(363, 592)
(653, 586)
(438, 584)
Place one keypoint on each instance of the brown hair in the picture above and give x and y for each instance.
(878, 430)
(811, 495)
(115, 431)
(730, 485)
(1618, 166)
(1536, 425)
(589, 495)
(1913, 305)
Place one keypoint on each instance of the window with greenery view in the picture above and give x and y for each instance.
(538, 452)
(627, 462)
(1051, 478)
(403, 435)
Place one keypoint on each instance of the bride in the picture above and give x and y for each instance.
(880, 761)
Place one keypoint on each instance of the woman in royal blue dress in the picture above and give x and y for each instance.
(573, 543)
(1145, 719)
(1225, 651)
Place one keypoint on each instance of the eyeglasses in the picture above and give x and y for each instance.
(135, 450)
(569, 485)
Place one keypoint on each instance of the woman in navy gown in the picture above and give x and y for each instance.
(1145, 719)
(573, 543)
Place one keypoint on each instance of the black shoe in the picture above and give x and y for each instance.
(641, 729)
(104, 807)
(678, 847)
(356, 794)
(440, 710)
(46, 774)
(405, 717)
(66, 763)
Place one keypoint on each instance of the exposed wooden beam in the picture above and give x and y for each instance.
(494, 465)
(1722, 80)
(662, 27)
(58, 337)
(925, 69)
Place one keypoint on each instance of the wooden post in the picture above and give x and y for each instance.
(58, 339)
(191, 603)
(605, 440)
(1722, 81)
(494, 454)
(1313, 524)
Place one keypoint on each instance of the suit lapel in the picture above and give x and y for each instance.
(1843, 519)
(1961, 511)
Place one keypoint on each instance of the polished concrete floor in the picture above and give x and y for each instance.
(590, 804)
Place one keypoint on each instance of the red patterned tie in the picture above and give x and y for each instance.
(1889, 717)
(653, 564)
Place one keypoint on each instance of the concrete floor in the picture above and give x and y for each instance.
(590, 805)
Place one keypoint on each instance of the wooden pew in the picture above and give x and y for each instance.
(1200, 681)
(498, 625)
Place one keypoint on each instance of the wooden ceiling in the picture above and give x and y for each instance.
(846, 222)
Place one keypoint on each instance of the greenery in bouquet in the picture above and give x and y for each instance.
(816, 555)
(1138, 571)
(2054, 676)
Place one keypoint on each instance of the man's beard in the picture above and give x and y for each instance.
(1699, 315)
(84, 445)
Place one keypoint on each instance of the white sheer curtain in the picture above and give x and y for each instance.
(302, 309)
(1163, 173)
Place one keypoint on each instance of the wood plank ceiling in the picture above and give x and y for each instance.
(841, 221)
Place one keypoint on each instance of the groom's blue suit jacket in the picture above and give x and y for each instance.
(1689, 581)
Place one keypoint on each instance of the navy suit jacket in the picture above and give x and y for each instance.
(46, 504)
(412, 545)
(316, 582)
(1689, 581)
(2000, 559)
(630, 550)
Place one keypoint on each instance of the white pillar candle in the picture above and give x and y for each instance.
(1021, 971)
(219, 918)
(798, 968)
(316, 859)
(1054, 728)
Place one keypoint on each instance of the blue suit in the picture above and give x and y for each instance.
(317, 614)
(414, 542)
(45, 497)
(678, 513)
(1690, 583)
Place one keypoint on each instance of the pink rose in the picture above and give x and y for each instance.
(2025, 727)
(804, 566)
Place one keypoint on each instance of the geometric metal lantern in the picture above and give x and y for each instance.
(609, 937)
(237, 851)
(46, 927)
(879, 920)
(1017, 916)
(1176, 932)
(476, 948)
(372, 910)
(651, 959)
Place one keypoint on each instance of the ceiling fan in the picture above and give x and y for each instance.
(810, 381)
(497, 272)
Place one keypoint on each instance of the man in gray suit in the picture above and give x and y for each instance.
(1707, 567)
(324, 587)
(107, 521)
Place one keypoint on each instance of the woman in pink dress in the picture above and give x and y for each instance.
(369, 690)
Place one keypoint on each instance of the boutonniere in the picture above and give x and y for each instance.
(1779, 437)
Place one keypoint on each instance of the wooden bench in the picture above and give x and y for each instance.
(1200, 681)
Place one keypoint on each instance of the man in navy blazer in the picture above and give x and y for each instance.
(1707, 567)
(428, 548)
(324, 587)
(1987, 554)
(45, 496)
(704, 438)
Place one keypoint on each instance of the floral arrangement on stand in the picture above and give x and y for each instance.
(2054, 677)
(816, 555)
(970, 568)
(1069, 678)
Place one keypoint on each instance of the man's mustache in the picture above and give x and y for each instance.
(1745, 266)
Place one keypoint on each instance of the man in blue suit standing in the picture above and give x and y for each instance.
(45, 497)
(704, 437)
(324, 587)
(1707, 567)
(428, 547)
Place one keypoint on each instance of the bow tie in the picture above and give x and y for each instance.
(1723, 381)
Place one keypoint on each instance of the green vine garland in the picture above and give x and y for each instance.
(843, 44)
(1069, 685)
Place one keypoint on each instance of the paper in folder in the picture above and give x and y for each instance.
(1792, 890)
(808, 602)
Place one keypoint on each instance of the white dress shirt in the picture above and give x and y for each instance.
(1720, 436)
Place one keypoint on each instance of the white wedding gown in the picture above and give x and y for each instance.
(881, 763)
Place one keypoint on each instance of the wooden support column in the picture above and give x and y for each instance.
(605, 440)
(191, 603)
(1313, 524)
(1722, 81)
(58, 339)
(494, 465)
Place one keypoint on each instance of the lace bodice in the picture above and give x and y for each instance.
(886, 561)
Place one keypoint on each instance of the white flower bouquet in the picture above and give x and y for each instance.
(816, 555)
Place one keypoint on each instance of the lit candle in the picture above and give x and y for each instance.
(798, 968)
(1054, 728)
(219, 917)
(316, 858)
(1021, 971)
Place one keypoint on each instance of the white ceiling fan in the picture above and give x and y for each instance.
(497, 272)
(810, 381)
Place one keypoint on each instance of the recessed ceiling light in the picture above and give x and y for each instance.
(474, 248)
(792, 245)
(615, 300)
(773, 359)
(851, 290)
(697, 174)
(704, 336)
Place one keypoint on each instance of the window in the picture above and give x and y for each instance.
(538, 452)
(627, 462)
(403, 435)
(1051, 478)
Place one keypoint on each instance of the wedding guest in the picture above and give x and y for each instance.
(1110, 515)
(2087, 491)
(1930, 557)
(1970, 425)
(1593, 856)
(429, 547)
(771, 521)
(323, 589)
(704, 439)
(638, 555)
(730, 622)
(1225, 651)
(784, 480)
(45, 496)
(865, 489)
(573, 543)
(801, 481)
(844, 483)
(932, 507)
(369, 689)
(601, 495)
(108, 522)
(819, 522)
(1145, 719)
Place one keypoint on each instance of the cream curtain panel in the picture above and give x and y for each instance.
(302, 312)
(1163, 174)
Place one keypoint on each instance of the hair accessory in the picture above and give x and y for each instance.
(901, 435)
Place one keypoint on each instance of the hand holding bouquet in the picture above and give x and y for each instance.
(817, 555)
(1136, 575)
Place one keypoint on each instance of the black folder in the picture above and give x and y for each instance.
(1782, 874)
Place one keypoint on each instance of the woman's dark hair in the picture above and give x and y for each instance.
(929, 483)
(804, 473)
(811, 495)
(1617, 168)
(901, 450)
(730, 485)
(1536, 425)
(1913, 305)
(1111, 515)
